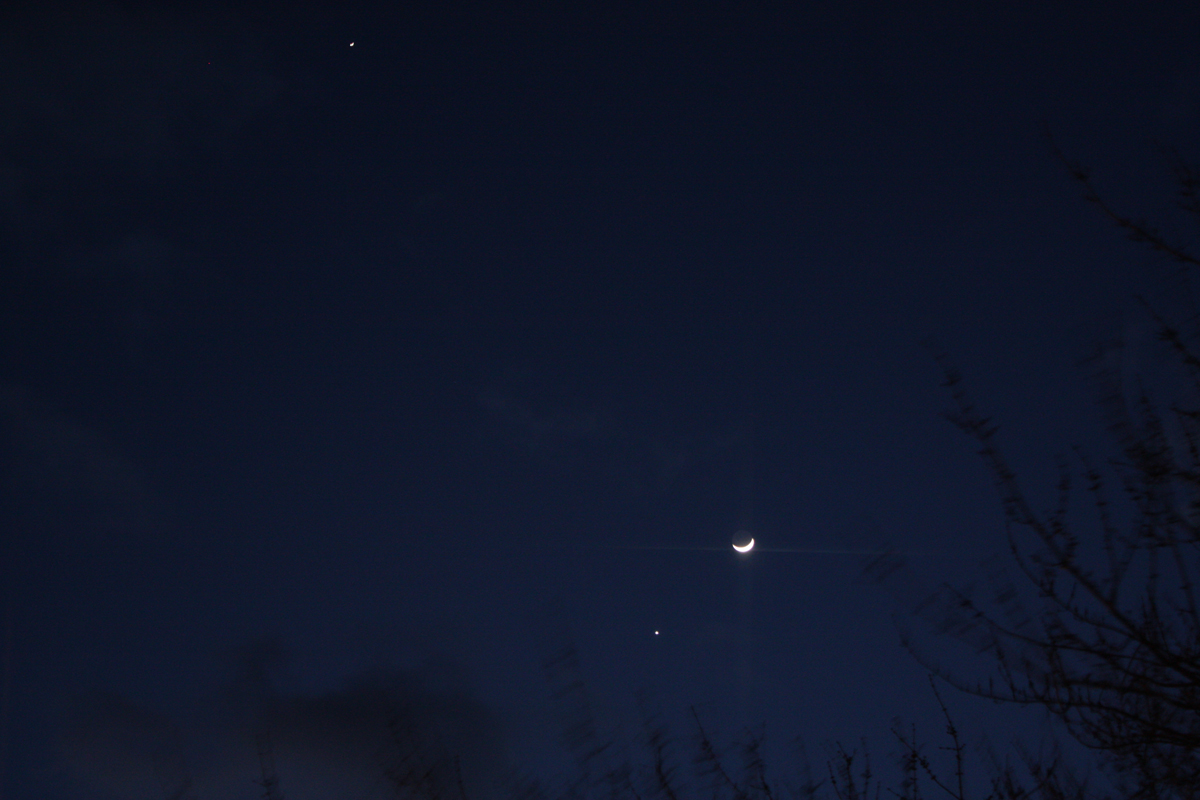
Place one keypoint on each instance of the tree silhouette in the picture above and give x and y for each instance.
(1111, 645)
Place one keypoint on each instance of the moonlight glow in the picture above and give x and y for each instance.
(744, 548)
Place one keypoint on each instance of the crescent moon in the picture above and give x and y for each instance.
(745, 548)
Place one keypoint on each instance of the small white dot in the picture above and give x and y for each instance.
(352, 44)
(656, 633)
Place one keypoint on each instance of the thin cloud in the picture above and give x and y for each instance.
(597, 439)
(55, 463)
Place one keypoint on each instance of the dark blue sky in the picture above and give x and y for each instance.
(420, 358)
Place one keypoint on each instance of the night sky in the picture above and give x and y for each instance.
(352, 354)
